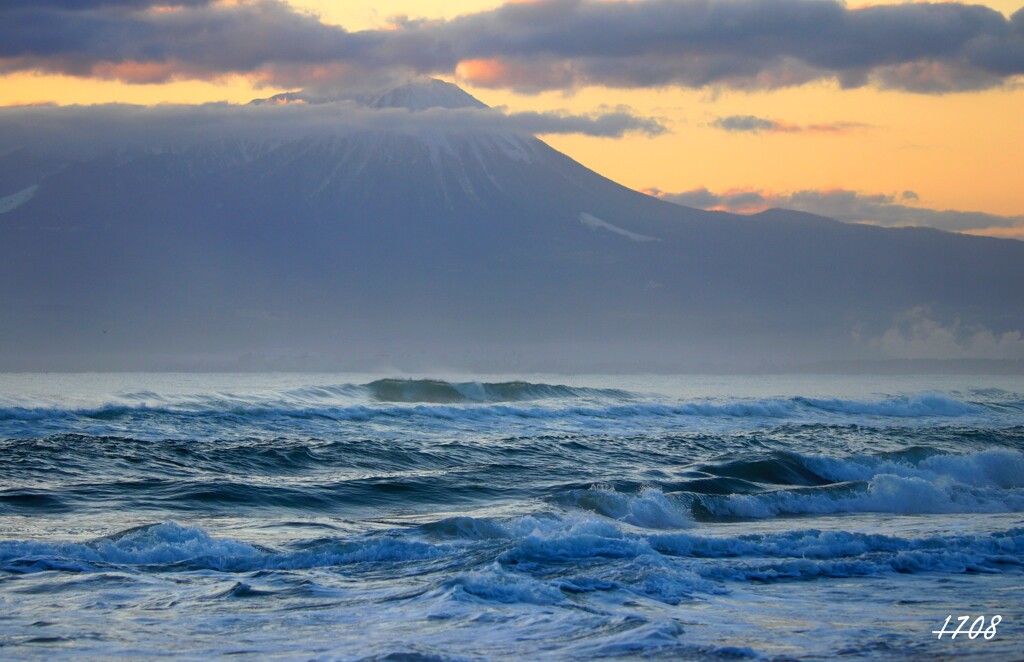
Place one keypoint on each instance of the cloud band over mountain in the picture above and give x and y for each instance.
(551, 44)
(113, 126)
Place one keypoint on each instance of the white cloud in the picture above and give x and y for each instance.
(917, 335)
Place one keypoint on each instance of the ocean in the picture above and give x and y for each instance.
(352, 517)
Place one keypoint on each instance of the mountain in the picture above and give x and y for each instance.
(458, 249)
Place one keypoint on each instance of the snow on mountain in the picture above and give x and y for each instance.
(425, 94)
(17, 199)
(594, 223)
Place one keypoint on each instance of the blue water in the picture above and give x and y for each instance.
(532, 517)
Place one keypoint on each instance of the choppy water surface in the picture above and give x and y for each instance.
(351, 517)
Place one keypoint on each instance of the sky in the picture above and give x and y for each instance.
(891, 113)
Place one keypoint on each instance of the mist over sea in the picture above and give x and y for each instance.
(313, 516)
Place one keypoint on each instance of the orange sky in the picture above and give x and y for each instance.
(959, 151)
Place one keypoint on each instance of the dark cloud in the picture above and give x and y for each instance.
(85, 5)
(740, 202)
(748, 43)
(745, 124)
(604, 125)
(753, 124)
(201, 40)
(119, 126)
(552, 44)
(854, 207)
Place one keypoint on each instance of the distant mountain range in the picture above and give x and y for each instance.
(459, 250)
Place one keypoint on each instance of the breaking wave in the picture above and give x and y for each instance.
(515, 560)
(917, 480)
(170, 546)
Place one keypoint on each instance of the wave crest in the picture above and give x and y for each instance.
(913, 482)
(482, 403)
(442, 392)
(540, 560)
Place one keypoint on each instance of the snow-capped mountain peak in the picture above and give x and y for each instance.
(415, 95)
(425, 94)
